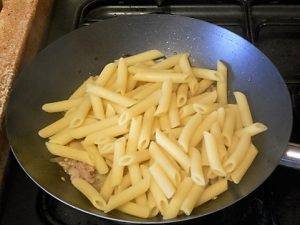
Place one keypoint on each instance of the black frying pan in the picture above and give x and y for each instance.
(66, 63)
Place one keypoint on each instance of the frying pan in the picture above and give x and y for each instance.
(66, 63)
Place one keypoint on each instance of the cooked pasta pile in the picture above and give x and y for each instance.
(160, 130)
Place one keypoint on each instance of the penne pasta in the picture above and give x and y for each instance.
(135, 209)
(168, 62)
(244, 109)
(144, 56)
(61, 105)
(135, 157)
(191, 199)
(110, 111)
(174, 117)
(80, 91)
(205, 73)
(146, 132)
(122, 76)
(222, 83)
(182, 95)
(79, 115)
(229, 125)
(251, 130)
(196, 167)
(165, 100)
(117, 169)
(106, 74)
(97, 107)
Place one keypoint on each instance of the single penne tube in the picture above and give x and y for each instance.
(213, 154)
(162, 180)
(238, 153)
(204, 126)
(241, 169)
(127, 195)
(182, 95)
(67, 152)
(164, 122)
(106, 74)
(174, 117)
(90, 192)
(61, 138)
(143, 91)
(233, 145)
(188, 131)
(144, 56)
(110, 95)
(126, 182)
(238, 119)
(122, 76)
(109, 111)
(104, 141)
(161, 77)
(131, 83)
(97, 107)
(135, 209)
(213, 191)
(146, 132)
(80, 91)
(179, 197)
(159, 197)
(85, 130)
(205, 73)
(111, 83)
(107, 188)
(173, 149)
(136, 157)
(185, 67)
(135, 176)
(54, 128)
(204, 98)
(79, 115)
(61, 105)
(163, 161)
(186, 110)
(175, 132)
(96, 158)
(222, 83)
(196, 167)
(244, 108)
(221, 117)
(216, 131)
(229, 125)
(153, 208)
(205, 109)
(204, 159)
(117, 169)
(112, 131)
(134, 133)
(140, 107)
(252, 130)
(165, 100)
(191, 199)
(168, 62)
(203, 85)
(107, 148)
(155, 126)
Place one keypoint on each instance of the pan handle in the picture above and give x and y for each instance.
(291, 156)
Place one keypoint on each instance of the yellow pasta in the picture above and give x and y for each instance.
(205, 74)
(127, 195)
(144, 138)
(61, 105)
(188, 131)
(238, 153)
(179, 197)
(140, 107)
(97, 107)
(191, 199)
(222, 83)
(196, 167)
(252, 130)
(122, 76)
(90, 192)
(162, 180)
(241, 169)
(165, 100)
(173, 149)
(182, 95)
(213, 191)
(213, 155)
(159, 135)
(244, 108)
(110, 95)
(142, 57)
(117, 169)
(67, 152)
(174, 117)
(106, 74)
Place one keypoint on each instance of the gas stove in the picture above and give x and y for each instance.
(273, 26)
